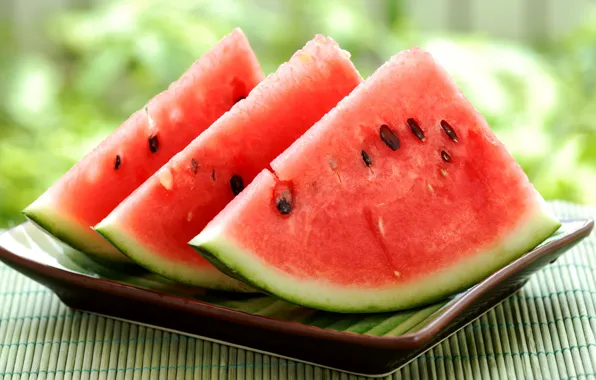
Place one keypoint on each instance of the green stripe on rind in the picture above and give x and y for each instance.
(531, 231)
(74, 235)
(176, 271)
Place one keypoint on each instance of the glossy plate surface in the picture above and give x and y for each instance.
(369, 344)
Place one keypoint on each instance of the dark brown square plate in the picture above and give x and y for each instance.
(373, 345)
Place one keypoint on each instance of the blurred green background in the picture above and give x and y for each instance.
(72, 71)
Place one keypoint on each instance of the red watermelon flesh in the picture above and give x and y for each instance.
(153, 226)
(142, 144)
(399, 196)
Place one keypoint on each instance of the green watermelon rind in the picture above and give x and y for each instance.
(34, 238)
(46, 218)
(179, 272)
(214, 245)
(74, 260)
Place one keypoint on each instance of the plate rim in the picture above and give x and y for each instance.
(413, 340)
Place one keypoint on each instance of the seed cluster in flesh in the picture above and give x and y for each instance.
(390, 138)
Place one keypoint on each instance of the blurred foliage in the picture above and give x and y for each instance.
(105, 62)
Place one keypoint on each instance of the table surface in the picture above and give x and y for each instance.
(546, 330)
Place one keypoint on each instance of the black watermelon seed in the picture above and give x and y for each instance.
(239, 99)
(213, 174)
(237, 184)
(416, 130)
(389, 137)
(283, 206)
(450, 132)
(445, 156)
(194, 166)
(153, 144)
(118, 162)
(283, 197)
(366, 158)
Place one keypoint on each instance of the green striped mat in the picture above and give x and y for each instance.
(547, 330)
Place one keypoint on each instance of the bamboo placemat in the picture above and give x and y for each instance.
(545, 331)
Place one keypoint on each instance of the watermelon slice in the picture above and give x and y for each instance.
(148, 139)
(398, 197)
(153, 226)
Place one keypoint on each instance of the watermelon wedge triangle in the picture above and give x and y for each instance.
(398, 197)
(153, 225)
(142, 144)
